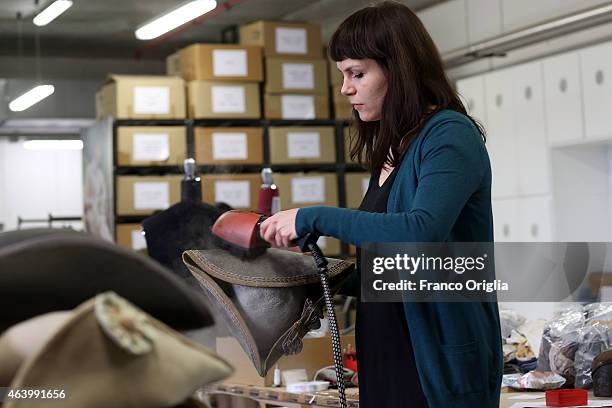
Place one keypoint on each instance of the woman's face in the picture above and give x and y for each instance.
(365, 86)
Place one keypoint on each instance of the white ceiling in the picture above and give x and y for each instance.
(106, 27)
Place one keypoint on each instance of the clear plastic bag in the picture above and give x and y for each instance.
(560, 340)
(595, 338)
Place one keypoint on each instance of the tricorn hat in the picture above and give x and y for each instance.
(270, 302)
(44, 270)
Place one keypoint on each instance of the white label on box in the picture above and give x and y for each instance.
(302, 145)
(230, 63)
(151, 196)
(150, 147)
(138, 240)
(308, 190)
(151, 99)
(298, 106)
(228, 99)
(291, 41)
(229, 146)
(365, 183)
(322, 242)
(298, 76)
(235, 193)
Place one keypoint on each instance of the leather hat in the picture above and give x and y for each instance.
(44, 270)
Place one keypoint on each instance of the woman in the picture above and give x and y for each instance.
(430, 182)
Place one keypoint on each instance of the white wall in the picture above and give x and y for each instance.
(36, 183)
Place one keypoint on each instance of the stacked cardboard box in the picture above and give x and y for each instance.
(296, 73)
(240, 191)
(143, 195)
(151, 145)
(301, 145)
(141, 97)
(222, 79)
(229, 146)
(130, 236)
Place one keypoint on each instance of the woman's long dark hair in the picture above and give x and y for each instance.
(392, 35)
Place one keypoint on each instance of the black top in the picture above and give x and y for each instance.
(385, 359)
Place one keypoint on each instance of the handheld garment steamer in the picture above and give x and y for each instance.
(238, 231)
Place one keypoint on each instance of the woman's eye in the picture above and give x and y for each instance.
(358, 76)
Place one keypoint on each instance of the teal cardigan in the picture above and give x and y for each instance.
(442, 192)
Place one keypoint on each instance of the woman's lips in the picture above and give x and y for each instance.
(357, 106)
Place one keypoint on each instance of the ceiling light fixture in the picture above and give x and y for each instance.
(32, 97)
(46, 145)
(52, 12)
(175, 18)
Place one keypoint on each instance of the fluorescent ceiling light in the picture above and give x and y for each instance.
(175, 18)
(33, 96)
(52, 12)
(53, 145)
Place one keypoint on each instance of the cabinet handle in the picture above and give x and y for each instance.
(528, 93)
(534, 230)
(499, 100)
(506, 230)
(563, 85)
(599, 77)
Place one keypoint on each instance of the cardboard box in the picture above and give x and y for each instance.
(151, 145)
(130, 236)
(141, 97)
(352, 250)
(173, 64)
(297, 145)
(223, 100)
(316, 354)
(335, 76)
(301, 190)
(292, 106)
(218, 62)
(143, 195)
(356, 187)
(294, 75)
(283, 38)
(241, 191)
(229, 145)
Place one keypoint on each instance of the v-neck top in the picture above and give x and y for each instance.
(387, 370)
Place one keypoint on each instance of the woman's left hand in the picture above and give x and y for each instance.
(279, 229)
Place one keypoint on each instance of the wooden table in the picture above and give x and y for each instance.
(280, 396)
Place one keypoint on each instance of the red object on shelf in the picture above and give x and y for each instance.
(566, 398)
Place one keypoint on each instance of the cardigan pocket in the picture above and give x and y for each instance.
(464, 369)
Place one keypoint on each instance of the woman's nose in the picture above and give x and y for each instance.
(347, 89)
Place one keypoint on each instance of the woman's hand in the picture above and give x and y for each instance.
(279, 229)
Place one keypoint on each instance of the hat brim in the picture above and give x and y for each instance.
(46, 270)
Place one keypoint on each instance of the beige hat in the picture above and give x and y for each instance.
(106, 353)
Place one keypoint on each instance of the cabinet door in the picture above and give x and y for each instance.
(505, 220)
(532, 149)
(596, 73)
(472, 94)
(563, 98)
(500, 133)
(534, 215)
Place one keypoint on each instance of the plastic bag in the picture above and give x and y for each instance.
(595, 337)
(560, 340)
(534, 380)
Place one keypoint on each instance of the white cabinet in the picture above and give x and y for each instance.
(530, 130)
(596, 73)
(524, 219)
(534, 219)
(563, 98)
(500, 129)
(472, 94)
(447, 25)
(484, 20)
(505, 220)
